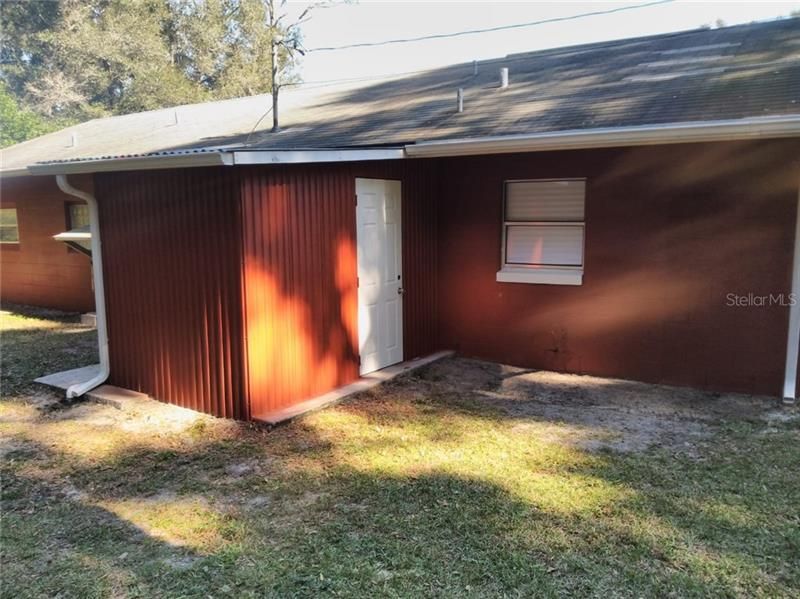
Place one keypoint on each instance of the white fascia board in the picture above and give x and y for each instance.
(309, 156)
(14, 172)
(668, 133)
(132, 164)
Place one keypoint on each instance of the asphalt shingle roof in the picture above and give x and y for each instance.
(702, 75)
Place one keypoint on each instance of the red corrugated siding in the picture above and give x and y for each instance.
(234, 290)
(300, 275)
(172, 263)
(298, 265)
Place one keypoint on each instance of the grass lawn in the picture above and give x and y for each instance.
(464, 479)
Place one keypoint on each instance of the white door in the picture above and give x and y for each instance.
(380, 284)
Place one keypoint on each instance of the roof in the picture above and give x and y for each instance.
(695, 76)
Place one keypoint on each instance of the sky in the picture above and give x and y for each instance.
(373, 20)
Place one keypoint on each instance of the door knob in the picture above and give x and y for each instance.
(400, 291)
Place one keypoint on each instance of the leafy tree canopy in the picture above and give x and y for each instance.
(18, 124)
(72, 60)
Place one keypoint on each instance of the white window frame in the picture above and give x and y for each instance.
(16, 213)
(544, 274)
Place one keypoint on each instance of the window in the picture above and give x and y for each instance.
(78, 216)
(9, 228)
(543, 226)
(78, 234)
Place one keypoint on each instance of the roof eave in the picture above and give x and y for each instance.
(580, 139)
(220, 158)
(316, 155)
(132, 164)
(14, 172)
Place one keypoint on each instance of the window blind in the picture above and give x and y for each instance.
(544, 223)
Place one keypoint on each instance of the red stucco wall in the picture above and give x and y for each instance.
(40, 271)
(670, 232)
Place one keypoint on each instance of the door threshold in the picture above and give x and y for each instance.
(367, 381)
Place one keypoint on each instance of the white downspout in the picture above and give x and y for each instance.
(79, 389)
(793, 338)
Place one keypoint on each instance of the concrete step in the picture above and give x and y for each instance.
(365, 382)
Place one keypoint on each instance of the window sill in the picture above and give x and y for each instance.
(541, 276)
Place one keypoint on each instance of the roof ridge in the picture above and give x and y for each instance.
(653, 37)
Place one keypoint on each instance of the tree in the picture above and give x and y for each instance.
(80, 59)
(18, 124)
(285, 45)
(225, 45)
(117, 55)
(22, 53)
(239, 47)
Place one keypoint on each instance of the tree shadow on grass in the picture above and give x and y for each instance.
(302, 521)
(34, 351)
(57, 542)
(318, 507)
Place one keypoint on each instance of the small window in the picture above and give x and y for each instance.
(78, 216)
(9, 228)
(543, 232)
(78, 235)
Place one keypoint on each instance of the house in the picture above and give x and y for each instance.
(35, 269)
(623, 209)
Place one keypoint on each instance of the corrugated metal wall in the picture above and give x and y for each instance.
(300, 275)
(172, 262)
(233, 290)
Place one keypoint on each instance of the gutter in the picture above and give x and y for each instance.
(308, 156)
(133, 163)
(579, 139)
(576, 139)
(215, 158)
(79, 389)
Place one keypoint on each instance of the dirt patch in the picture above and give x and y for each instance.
(593, 413)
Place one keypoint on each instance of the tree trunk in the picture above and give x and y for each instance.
(274, 66)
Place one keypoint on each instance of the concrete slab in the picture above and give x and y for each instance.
(89, 319)
(67, 378)
(125, 399)
(107, 394)
(119, 397)
(367, 381)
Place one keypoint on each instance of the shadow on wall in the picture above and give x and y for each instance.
(300, 288)
(671, 232)
(291, 352)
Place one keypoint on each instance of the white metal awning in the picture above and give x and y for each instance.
(79, 239)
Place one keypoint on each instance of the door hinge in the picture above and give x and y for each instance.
(356, 200)
(358, 282)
